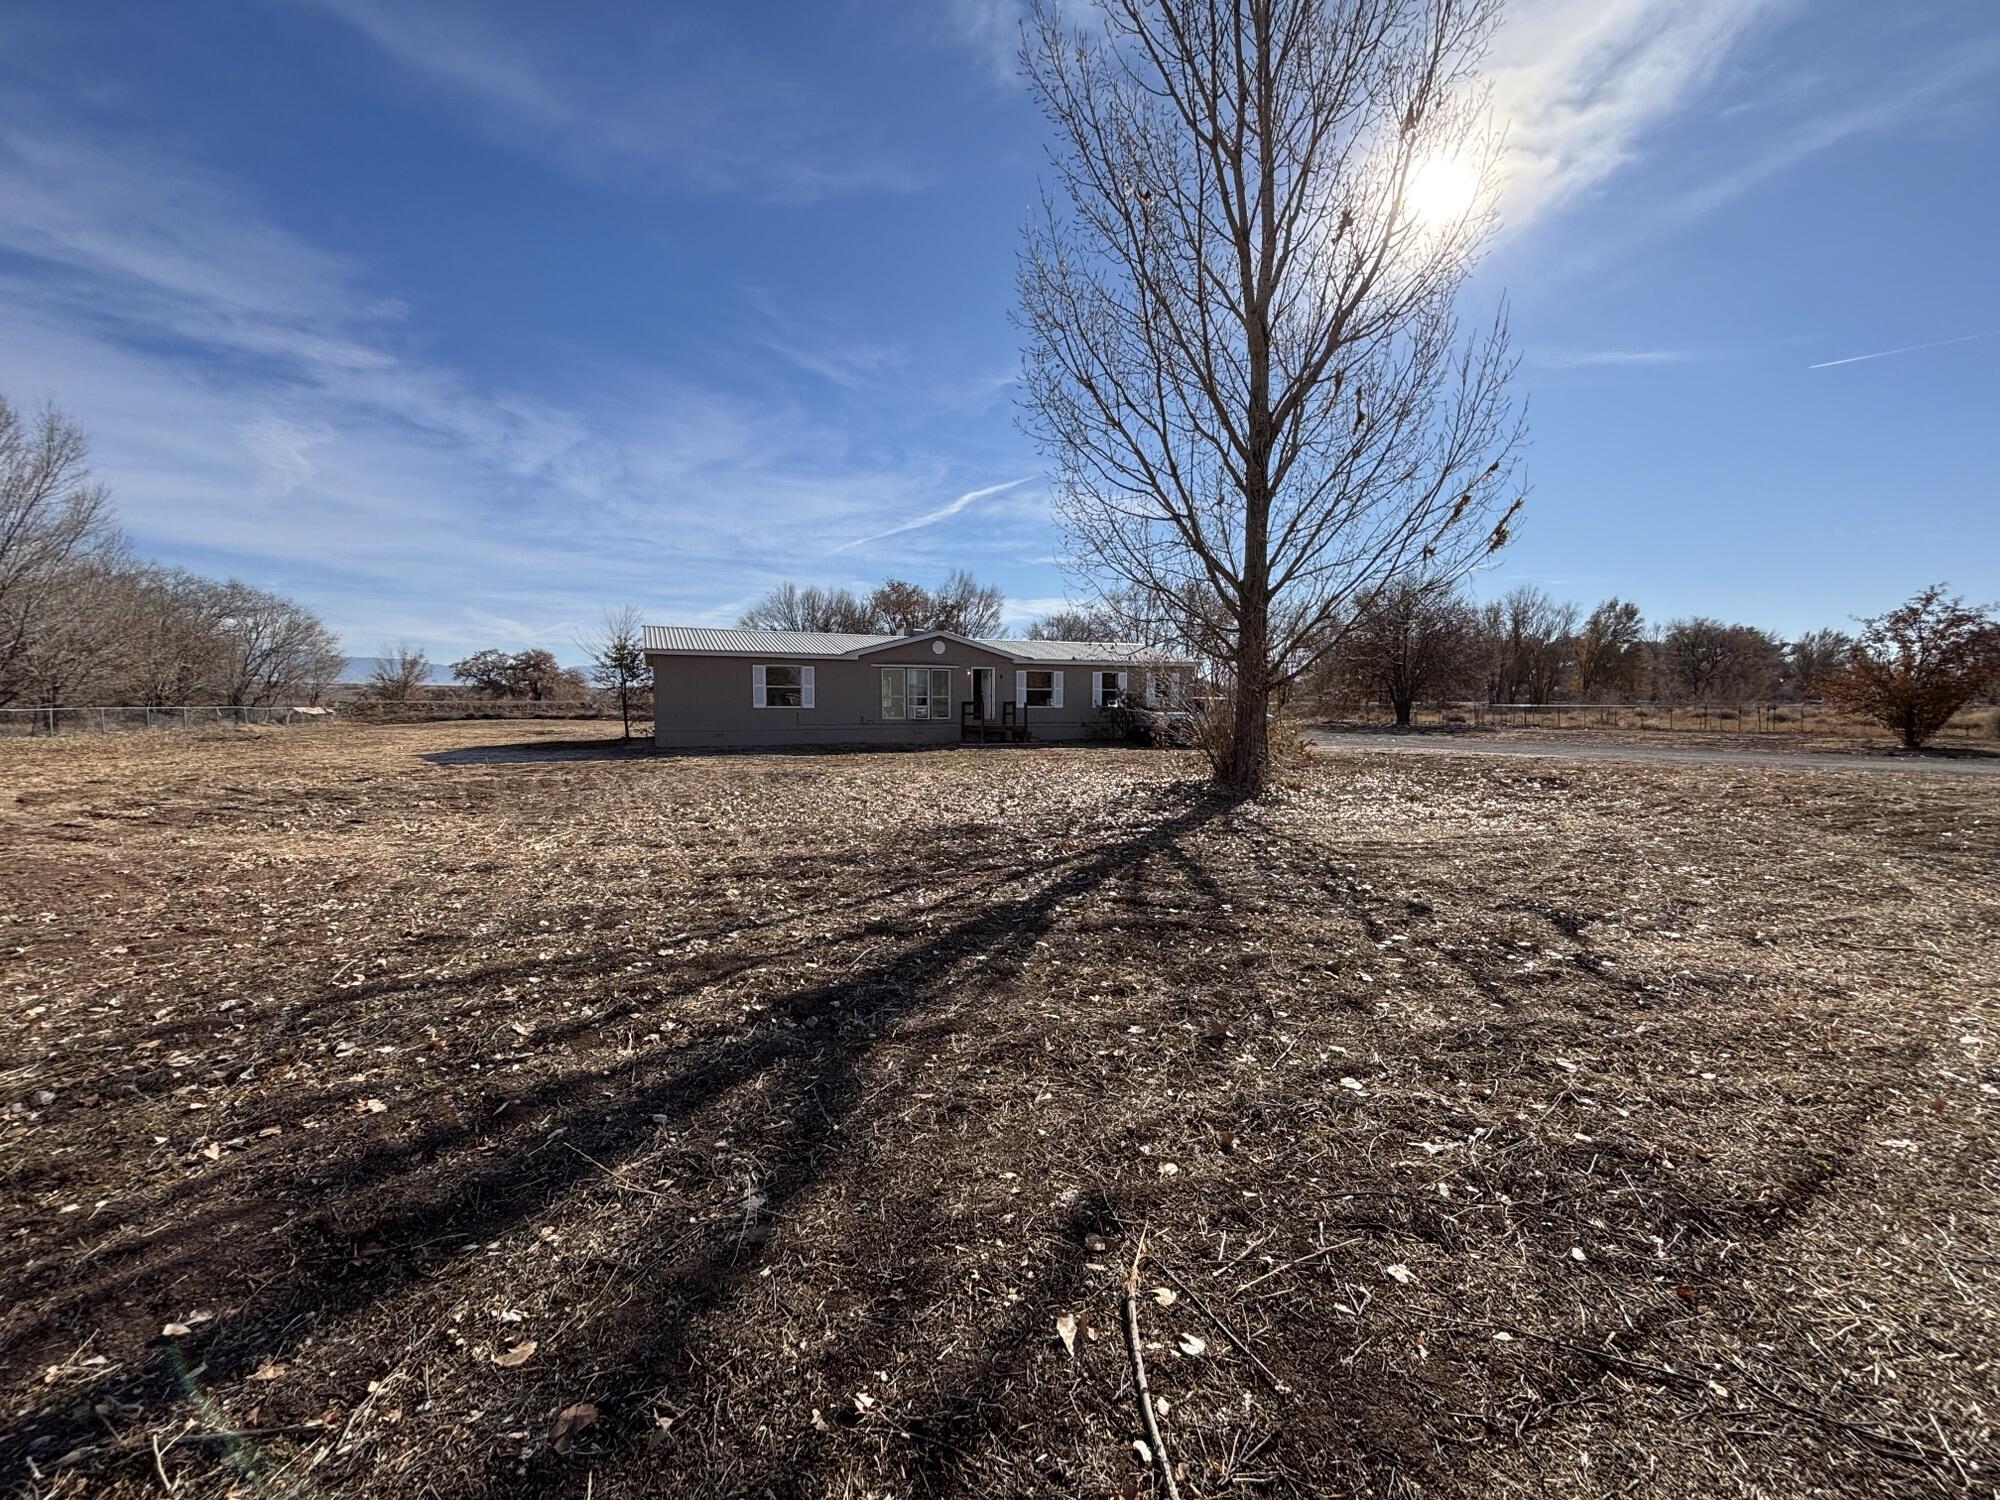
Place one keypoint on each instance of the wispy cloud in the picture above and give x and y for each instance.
(1585, 358)
(1578, 85)
(932, 517)
(664, 90)
(259, 406)
(1855, 359)
(1901, 99)
(991, 29)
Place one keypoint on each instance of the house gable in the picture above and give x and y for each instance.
(935, 647)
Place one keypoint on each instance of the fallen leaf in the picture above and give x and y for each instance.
(370, 1106)
(1164, 1295)
(1193, 1343)
(175, 1331)
(268, 1370)
(1066, 1331)
(1351, 1083)
(1401, 1273)
(572, 1420)
(518, 1355)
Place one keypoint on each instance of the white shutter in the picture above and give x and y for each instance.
(1151, 701)
(756, 687)
(1021, 689)
(1123, 700)
(1097, 690)
(1055, 698)
(805, 687)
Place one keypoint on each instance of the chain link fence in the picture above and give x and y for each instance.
(95, 719)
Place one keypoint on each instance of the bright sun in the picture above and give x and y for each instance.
(1441, 189)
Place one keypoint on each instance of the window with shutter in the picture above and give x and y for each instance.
(778, 687)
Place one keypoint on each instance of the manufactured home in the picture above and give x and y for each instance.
(775, 688)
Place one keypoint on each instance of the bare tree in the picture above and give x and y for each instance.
(1607, 652)
(51, 513)
(271, 647)
(1242, 352)
(173, 638)
(79, 640)
(899, 607)
(789, 607)
(1411, 642)
(401, 672)
(1088, 624)
(618, 658)
(1530, 643)
(1920, 663)
(1706, 660)
(965, 606)
(960, 604)
(1816, 658)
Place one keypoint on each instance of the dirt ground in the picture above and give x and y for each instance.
(1848, 739)
(466, 1110)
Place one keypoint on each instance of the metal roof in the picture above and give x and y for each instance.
(1024, 650)
(702, 640)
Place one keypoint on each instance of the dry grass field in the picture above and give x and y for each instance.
(466, 1110)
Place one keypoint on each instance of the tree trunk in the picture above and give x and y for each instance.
(1249, 734)
(1403, 713)
(1910, 740)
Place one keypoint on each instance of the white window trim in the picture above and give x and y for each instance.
(950, 675)
(1055, 687)
(760, 692)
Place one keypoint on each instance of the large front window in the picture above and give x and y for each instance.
(1039, 689)
(916, 692)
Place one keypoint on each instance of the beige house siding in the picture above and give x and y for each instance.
(708, 700)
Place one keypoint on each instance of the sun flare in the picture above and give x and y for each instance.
(1441, 191)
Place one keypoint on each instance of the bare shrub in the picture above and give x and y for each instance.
(1918, 665)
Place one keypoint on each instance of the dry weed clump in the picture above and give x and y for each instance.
(463, 1110)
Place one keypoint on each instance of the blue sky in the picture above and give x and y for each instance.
(460, 321)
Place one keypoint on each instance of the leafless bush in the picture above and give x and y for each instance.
(1915, 667)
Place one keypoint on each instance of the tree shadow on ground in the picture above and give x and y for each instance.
(472, 1180)
(542, 752)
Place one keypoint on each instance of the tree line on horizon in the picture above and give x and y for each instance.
(1412, 644)
(1911, 668)
(84, 620)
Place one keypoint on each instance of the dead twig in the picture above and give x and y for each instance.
(159, 1463)
(1155, 1445)
(616, 1177)
(1236, 1339)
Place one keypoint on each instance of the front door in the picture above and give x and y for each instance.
(982, 693)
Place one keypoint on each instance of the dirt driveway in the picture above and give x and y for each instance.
(1654, 755)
